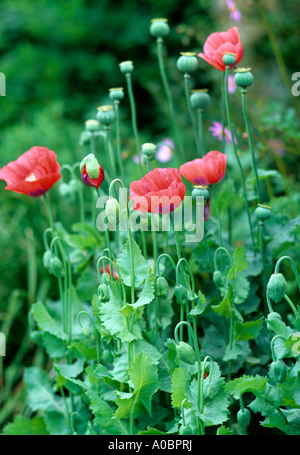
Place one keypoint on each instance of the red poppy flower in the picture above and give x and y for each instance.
(207, 170)
(107, 270)
(220, 43)
(87, 180)
(159, 191)
(33, 173)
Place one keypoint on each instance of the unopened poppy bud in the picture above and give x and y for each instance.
(116, 93)
(217, 277)
(75, 185)
(66, 191)
(187, 62)
(263, 212)
(92, 125)
(243, 77)
(162, 287)
(274, 316)
(46, 259)
(112, 211)
(103, 293)
(149, 150)
(181, 294)
(126, 67)
(229, 59)
(278, 371)
(108, 355)
(159, 28)
(185, 353)
(106, 115)
(56, 267)
(276, 287)
(199, 99)
(185, 429)
(91, 165)
(200, 191)
(243, 417)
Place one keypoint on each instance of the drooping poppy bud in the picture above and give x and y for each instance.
(276, 287)
(278, 371)
(243, 417)
(92, 173)
(162, 287)
(181, 294)
(185, 353)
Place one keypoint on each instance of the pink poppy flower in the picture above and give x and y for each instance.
(220, 43)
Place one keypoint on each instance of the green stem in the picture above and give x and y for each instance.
(263, 258)
(250, 143)
(168, 95)
(200, 131)
(109, 151)
(290, 260)
(177, 243)
(291, 305)
(118, 138)
(187, 95)
(134, 119)
(200, 392)
(236, 154)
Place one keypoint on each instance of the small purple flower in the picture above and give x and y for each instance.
(234, 12)
(164, 152)
(231, 84)
(216, 130)
(277, 146)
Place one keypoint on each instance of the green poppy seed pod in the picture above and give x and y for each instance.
(278, 371)
(103, 293)
(126, 67)
(263, 212)
(149, 150)
(200, 191)
(199, 99)
(162, 287)
(185, 429)
(217, 277)
(106, 115)
(56, 267)
(46, 259)
(116, 93)
(229, 59)
(276, 287)
(112, 211)
(181, 294)
(92, 125)
(185, 353)
(187, 62)
(243, 417)
(243, 77)
(159, 28)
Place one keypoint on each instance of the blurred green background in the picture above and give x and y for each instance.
(61, 57)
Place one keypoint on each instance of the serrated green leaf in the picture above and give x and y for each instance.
(39, 390)
(25, 427)
(104, 416)
(223, 431)
(70, 370)
(147, 294)
(46, 322)
(140, 265)
(240, 262)
(144, 378)
(247, 330)
(225, 307)
(238, 386)
(179, 379)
